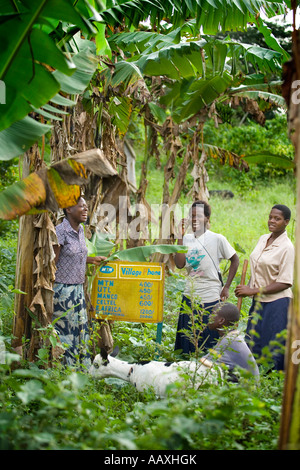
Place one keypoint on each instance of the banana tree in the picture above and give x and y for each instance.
(212, 17)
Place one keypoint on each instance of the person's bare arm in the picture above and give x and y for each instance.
(97, 260)
(56, 249)
(234, 264)
(179, 258)
(273, 288)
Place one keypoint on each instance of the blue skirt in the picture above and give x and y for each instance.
(206, 338)
(265, 323)
(71, 322)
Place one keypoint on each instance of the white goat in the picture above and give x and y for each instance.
(157, 375)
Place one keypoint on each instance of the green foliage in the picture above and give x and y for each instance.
(9, 173)
(29, 47)
(63, 410)
(20, 135)
(7, 282)
(142, 253)
(99, 245)
(250, 140)
(213, 16)
(35, 66)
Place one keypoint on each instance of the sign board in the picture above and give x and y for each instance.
(127, 291)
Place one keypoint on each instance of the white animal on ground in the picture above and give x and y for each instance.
(155, 374)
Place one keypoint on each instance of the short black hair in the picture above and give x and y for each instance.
(284, 209)
(77, 201)
(207, 209)
(229, 311)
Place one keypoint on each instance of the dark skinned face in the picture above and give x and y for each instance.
(198, 220)
(277, 223)
(79, 213)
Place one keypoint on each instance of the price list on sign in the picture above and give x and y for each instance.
(126, 291)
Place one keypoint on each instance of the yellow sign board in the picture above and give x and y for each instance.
(127, 291)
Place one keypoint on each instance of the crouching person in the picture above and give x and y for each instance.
(231, 349)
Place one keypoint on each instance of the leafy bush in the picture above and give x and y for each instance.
(60, 409)
(247, 140)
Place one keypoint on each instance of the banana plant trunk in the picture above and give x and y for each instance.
(35, 271)
(24, 267)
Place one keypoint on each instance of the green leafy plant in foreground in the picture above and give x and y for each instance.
(66, 410)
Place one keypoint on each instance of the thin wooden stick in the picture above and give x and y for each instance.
(243, 278)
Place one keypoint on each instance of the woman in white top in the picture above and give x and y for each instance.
(272, 267)
(204, 286)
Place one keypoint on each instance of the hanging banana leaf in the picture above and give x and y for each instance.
(66, 195)
(99, 245)
(212, 15)
(86, 63)
(124, 72)
(22, 196)
(138, 42)
(256, 94)
(28, 54)
(120, 109)
(201, 93)
(55, 187)
(270, 39)
(21, 135)
(258, 56)
(174, 60)
(277, 160)
(226, 157)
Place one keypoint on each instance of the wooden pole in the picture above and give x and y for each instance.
(243, 278)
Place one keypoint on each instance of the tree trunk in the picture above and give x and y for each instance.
(24, 268)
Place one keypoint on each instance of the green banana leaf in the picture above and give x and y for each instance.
(17, 138)
(20, 136)
(29, 53)
(277, 160)
(100, 245)
(212, 15)
(142, 253)
(201, 93)
(264, 95)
